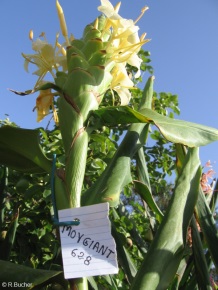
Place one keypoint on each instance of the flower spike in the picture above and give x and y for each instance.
(108, 45)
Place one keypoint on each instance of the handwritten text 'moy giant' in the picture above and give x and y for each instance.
(87, 242)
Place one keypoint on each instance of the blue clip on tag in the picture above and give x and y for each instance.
(56, 222)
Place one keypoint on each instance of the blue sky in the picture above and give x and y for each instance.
(183, 47)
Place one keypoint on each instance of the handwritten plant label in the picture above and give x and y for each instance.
(87, 249)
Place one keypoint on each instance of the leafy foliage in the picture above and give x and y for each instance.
(29, 238)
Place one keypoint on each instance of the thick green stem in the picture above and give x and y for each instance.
(75, 167)
(3, 184)
(72, 117)
(81, 91)
(79, 284)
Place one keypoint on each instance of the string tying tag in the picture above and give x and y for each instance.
(55, 219)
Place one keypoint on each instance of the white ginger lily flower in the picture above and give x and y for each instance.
(121, 83)
(124, 43)
(109, 10)
(122, 47)
(47, 58)
(44, 103)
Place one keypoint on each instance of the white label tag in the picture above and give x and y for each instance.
(89, 248)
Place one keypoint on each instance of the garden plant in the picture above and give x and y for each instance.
(165, 234)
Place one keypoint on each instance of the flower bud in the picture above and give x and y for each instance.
(62, 21)
(31, 34)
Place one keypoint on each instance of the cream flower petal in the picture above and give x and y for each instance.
(43, 104)
(38, 44)
(124, 95)
(26, 65)
(121, 76)
(135, 61)
(47, 58)
(108, 9)
(121, 83)
(125, 43)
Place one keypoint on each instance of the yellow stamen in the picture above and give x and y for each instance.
(42, 34)
(63, 50)
(55, 115)
(143, 36)
(62, 22)
(130, 48)
(57, 44)
(31, 34)
(142, 13)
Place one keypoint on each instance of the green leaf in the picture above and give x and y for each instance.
(146, 195)
(175, 284)
(92, 282)
(142, 170)
(111, 280)
(166, 251)
(180, 156)
(3, 183)
(117, 174)
(176, 131)
(202, 271)
(124, 257)
(132, 227)
(20, 150)
(8, 242)
(23, 277)
(208, 225)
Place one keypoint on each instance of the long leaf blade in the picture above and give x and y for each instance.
(146, 195)
(117, 174)
(208, 225)
(202, 273)
(31, 277)
(176, 131)
(20, 150)
(166, 251)
(8, 242)
(124, 257)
